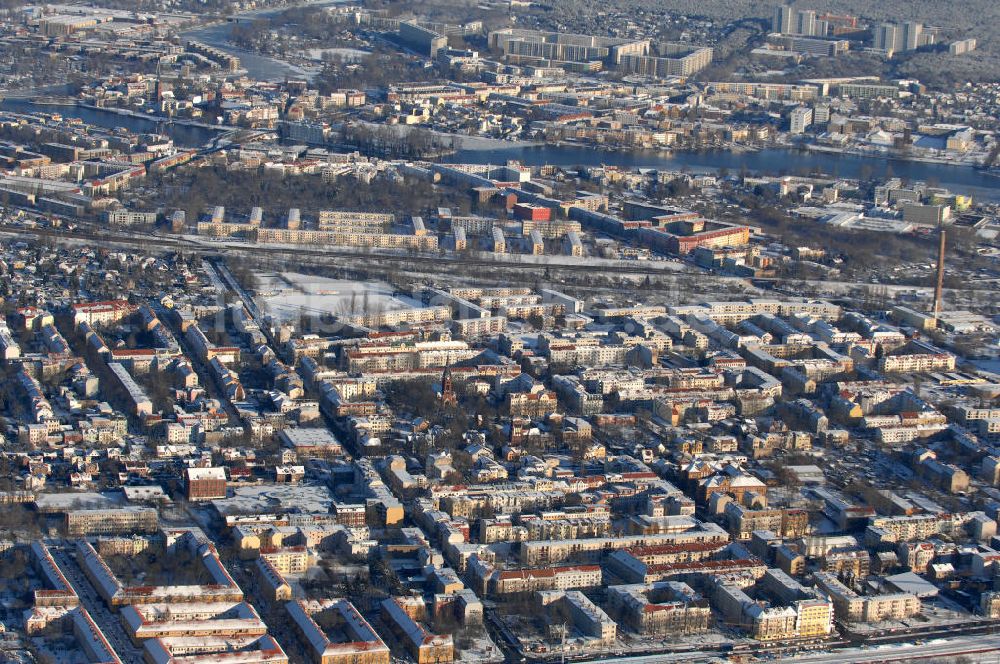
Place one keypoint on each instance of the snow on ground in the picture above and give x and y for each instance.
(347, 54)
(289, 295)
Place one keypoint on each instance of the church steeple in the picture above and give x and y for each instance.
(447, 388)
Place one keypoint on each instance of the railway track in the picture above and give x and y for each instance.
(162, 243)
(427, 263)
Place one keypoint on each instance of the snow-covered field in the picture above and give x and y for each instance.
(348, 54)
(290, 295)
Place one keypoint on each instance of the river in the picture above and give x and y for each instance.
(260, 67)
(183, 135)
(960, 179)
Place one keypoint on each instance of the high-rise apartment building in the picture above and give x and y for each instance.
(790, 21)
(800, 119)
(896, 38)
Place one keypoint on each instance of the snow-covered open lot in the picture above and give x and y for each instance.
(290, 295)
